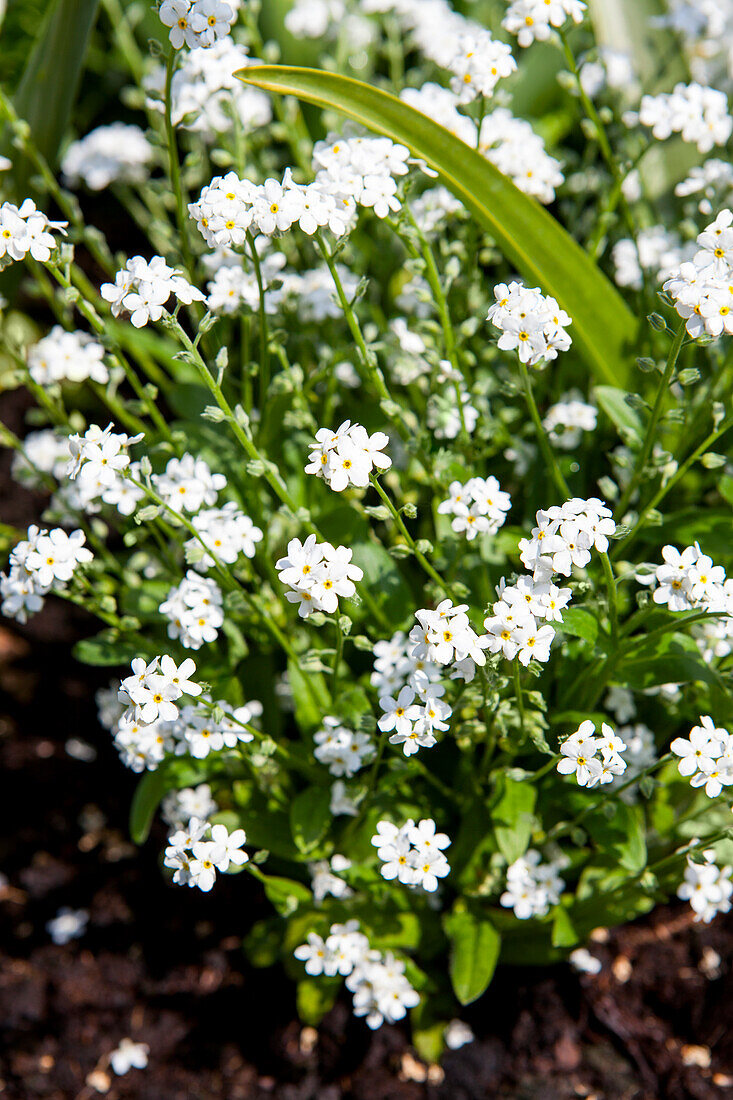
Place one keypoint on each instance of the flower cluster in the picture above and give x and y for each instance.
(100, 454)
(197, 730)
(518, 152)
(342, 750)
(519, 623)
(196, 22)
(193, 609)
(118, 153)
(707, 887)
(63, 356)
(187, 483)
(533, 20)
(227, 532)
(532, 886)
(706, 756)
(565, 536)
(395, 665)
(143, 287)
(381, 990)
(414, 723)
(530, 323)
(445, 636)
(688, 579)
(701, 287)
(479, 65)
(24, 230)
(206, 96)
(566, 421)
(316, 574)
(45, 560)
(697, 113)
(593, 758)
(347, 456)
(360, 170)
(413, 854)
(325, 878)
(198, 851)
(180, 806)
(152, 689)
(478, 506)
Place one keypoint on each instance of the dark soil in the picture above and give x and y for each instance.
(164, 965)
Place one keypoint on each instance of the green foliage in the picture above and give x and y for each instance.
(474, 951)
(536, 244)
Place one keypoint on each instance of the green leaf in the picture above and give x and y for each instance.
(512, 817)
(474, 950)
(314, 997)
(107, 649)
(626, 419)
(621, 839)
(47, 89)
(310, 817)
(286, 894)
(563, 930)
(579, 623)
(310, 697)
(152, 788)
(541, 250)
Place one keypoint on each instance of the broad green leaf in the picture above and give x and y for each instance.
(314, 997)
(622, 837)
(151, 790)
(579, 623)
(47, 89)
(563, 930)
(541, 250)
(474, 950)
(107, 649)
(511, 817)
(310, 696)
(310, 817)
(626, 419)
(286, 894)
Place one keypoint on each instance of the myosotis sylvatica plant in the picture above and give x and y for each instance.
(408, 529)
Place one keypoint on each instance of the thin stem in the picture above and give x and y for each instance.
(518, 693)
(428, 568)
(651, 428)
(338, 656)
(601, 135)
(542, 437)
(174, 166)
(661, 493)
(264, 335)
(612, 597)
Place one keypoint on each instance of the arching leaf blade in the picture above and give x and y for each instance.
(542, 251)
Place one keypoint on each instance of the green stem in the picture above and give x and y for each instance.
(264, 335)
(338, 656)
(542, 437)
(518, 693)
(612, 597)
(651, 429)
(661, 493)
(174, 166)
(427, 567)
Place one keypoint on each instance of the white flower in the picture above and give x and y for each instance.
(129, 1055)
(187, 483)
(318, 959)
(479, 64)
(582, 960)
(707, 887)
(56, 555)
(118, 153)
(227, 848)
(317, 574)
(533, 20)
(67, 925)
(347, 456)
(532, 886)
(697, 113)
(25, 230)
(413, 854)
(194, 611)
(66, 357)
(529, 322)
(143, 287)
